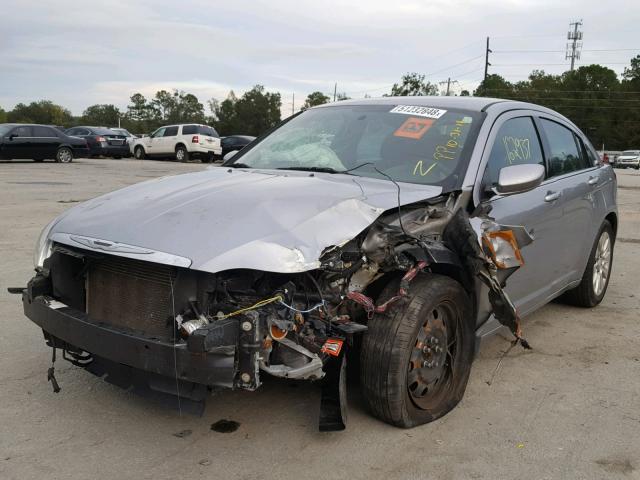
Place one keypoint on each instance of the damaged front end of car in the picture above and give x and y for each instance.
(181, 331)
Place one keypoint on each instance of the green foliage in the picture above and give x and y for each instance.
(413, 84)
(315, 98)
(592, 96)
(42, 111)
(3, 115)
(252, 114)
(101, 115)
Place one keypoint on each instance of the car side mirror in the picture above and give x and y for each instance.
(519, 178)
(12, 136)
(229, 156)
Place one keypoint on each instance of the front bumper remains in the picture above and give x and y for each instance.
(68, 328)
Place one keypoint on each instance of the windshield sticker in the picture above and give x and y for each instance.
(518, 149)
(414, 127)
(428, 112)
(450, 149)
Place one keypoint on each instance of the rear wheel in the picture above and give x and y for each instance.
(64, 155)
(138, 153)
(181, 154)
(416, 358)
(595, 280)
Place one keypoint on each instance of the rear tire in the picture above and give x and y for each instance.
(138, 153)
(416, 357)
(64, 155)
(181, 154)
(595, 279)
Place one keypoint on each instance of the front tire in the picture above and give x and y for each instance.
(416, 357)
(181, 154)
(64, 155)
(595, 279)
(138, 153)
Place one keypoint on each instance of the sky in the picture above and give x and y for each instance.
(79, 53)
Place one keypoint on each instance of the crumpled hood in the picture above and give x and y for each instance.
(221, 218)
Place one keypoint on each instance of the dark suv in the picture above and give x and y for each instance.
(102, 141)
(39, 142)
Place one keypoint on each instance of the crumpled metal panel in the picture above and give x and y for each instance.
(221, 218)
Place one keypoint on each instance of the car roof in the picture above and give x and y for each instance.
(478, 104)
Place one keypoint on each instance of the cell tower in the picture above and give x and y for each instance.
(575, 44)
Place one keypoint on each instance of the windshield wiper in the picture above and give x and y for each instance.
(313, 169)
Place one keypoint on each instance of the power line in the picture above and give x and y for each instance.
(560, 51)
(547, 64)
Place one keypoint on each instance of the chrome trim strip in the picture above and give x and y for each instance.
(121, 249)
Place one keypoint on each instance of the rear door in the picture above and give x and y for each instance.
(45, 142)
(19, 142)
(514, 139)
(574, 177)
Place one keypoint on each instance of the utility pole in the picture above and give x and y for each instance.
(448, 82)
(335, 91)
(573, 48)
(486, 60)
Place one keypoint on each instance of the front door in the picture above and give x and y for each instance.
(19, 143)
(515, 140)
(154, 142)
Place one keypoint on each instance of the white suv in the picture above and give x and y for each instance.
(180, 142)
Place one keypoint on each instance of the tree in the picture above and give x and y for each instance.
(3, 115)
(163, 104)
(494, 85)
(252, 114)
(413, 84)
(633, 71)
(101, 115)
(43, 111)
(464, 93)
(186, 109)
(315, 98)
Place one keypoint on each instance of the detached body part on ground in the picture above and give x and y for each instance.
(331, 245)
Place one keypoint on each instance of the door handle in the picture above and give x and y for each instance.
(593, 181)
(552, 196)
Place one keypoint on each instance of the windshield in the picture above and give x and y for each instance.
(411, 144)
(631, 152)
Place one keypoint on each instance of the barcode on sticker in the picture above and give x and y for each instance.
(428, 112)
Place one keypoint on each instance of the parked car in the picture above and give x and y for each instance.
(390, 223)
(181, 142)
(235, 142)
(629, 159)
(130, 137)
(102, 141)
(39, 142)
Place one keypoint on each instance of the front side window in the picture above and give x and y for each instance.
(564, 155)
(406, 143)
(171, 131)
(44, 132)
(516, 143)
(23, 131)
(158, 133)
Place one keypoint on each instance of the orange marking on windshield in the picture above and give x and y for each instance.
(414, 128)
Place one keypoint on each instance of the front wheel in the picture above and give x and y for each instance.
(416, 358)
(138, 153)
(595, 279)
(64, 155)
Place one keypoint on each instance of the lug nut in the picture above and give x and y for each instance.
(426, 350)
(246, 326)
(245, 377)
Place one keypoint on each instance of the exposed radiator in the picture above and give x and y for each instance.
(131, 295)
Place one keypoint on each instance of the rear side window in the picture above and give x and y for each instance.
(207, 131)
(189, 129)
(46, 132)
(516, 143)
(22, 131)
(171, 132)
(564, 155)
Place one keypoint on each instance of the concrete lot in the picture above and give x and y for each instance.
(569, 408)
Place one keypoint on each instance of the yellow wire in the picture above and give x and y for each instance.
(261, 303)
